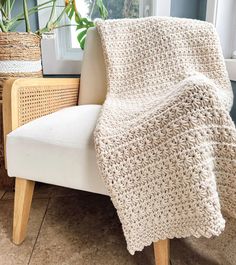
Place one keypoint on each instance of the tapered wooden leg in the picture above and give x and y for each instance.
(23, 197)
(162, 252)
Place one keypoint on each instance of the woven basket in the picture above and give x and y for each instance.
(20, 56)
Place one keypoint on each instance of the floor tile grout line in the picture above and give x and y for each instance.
(2, 195)
(31, 254)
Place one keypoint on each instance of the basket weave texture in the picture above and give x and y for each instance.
(15, 47)
(19, 46)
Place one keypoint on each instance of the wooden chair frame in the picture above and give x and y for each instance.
(49, 95)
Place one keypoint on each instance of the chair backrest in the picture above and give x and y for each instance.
(93, 79)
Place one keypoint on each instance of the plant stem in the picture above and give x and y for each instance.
(13, 24)
(30, 12)
(67, 25)
(92, 9)
(49, 24)
(4, 15)
(2, 27)
(55, 24)
(61, 15)
(8, 9)
(26, 15)
(12, 4)
(45, 30)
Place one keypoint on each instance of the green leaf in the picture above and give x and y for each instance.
(71, 12)
(83, 23)
(82, 43)
(77, 17)
(81, 37)
(88, 23)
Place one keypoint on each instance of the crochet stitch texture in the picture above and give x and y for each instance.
(165, 143)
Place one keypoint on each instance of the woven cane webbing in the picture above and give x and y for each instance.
(34, 102)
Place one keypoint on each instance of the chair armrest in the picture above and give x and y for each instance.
(26, 99)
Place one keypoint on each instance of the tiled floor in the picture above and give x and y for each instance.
(69, 227)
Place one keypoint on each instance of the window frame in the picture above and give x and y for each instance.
(213, 15)
(211, 11)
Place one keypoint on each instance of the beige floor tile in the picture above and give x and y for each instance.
(219, 250)
(83, 230)
(11, 254)
(43, 191)
(1, 193)
(182, 254)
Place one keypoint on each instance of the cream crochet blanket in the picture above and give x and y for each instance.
(165, 143)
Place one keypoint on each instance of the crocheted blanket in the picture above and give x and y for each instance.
(165, 143)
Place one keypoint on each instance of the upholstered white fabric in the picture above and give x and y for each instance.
(93, 88)
(57, 149)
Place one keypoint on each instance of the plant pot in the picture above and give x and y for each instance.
(20, 56)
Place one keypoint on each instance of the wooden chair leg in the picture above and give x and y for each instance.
(23, 197)
(162, 252)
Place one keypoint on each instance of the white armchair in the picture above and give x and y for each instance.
(56, 148)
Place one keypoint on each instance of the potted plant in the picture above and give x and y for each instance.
(20, 53)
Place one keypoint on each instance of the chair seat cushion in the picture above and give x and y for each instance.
(57, 149)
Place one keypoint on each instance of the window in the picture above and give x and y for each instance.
(61, 53)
